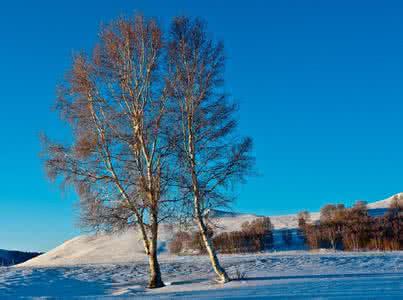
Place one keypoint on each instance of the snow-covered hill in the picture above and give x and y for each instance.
(127, 246)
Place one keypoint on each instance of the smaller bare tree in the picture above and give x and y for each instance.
(210, 154)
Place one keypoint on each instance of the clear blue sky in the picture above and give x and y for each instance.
(320, 85)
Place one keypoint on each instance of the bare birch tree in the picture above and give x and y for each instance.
(115, 102)
(211, 155)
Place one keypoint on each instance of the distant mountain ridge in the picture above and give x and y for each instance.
(9, 258)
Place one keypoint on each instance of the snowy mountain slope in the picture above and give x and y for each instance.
(127, 247)
(386, 203)
(233, 221)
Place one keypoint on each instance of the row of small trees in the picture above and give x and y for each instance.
(153, 132)
(338, 228)
(354, 229)
(254, 236)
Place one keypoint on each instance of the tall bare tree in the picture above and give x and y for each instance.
(211, 155)
(116, 103)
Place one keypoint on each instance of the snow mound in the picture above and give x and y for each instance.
(99, 249)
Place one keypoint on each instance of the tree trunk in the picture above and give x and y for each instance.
(155, 271)
(222, 275)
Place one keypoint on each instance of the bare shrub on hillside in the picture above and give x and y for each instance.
(179, 242)
(254, 236)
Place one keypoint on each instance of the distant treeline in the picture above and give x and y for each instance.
(254, 236)
(9, 258)
(354, 228)
(339, 228)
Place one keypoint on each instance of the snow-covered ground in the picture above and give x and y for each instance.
(297, 274)
(111, 265)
